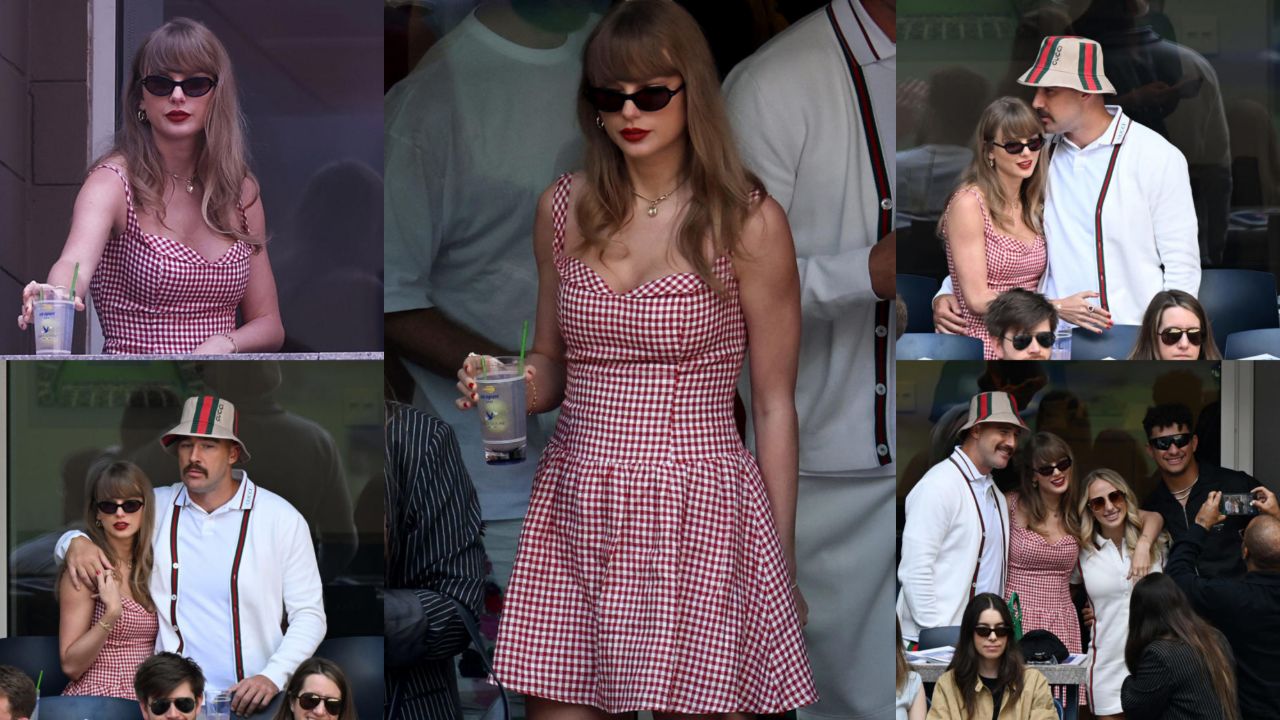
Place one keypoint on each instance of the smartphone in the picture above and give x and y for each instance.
(1238, 504)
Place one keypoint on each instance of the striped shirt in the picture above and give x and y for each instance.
(434, 557)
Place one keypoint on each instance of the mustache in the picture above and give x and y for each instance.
(197, 467)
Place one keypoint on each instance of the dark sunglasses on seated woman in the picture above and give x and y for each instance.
(161, 706)
(108, 507)
(1098, 503)
(650, 99)
(162, 86)
(309, 701)
(1015, 148)
(1171, 336)
(1163, 443)
(1046, 470)
(1000, 631)
(1021, 342)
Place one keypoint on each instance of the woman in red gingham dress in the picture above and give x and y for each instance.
(993, 222)
(106, 632)
(172, 258)
(656, 561)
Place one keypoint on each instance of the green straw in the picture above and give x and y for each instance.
(524, 339)
(38, 679)
(74, 274)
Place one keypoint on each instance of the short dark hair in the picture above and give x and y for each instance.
(1167, 415)
(159, 674)
(1018, 308)
(17, 686)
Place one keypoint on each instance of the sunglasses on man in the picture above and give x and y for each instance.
(161, 706)
(1098, 503)
(986, 631)
(1171, 336)
(1015, 148)
(1021, 342)
(162, 86)
(108, 507)
(650, 99)
(1163, 442)
(309, 701)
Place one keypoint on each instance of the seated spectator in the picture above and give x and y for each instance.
(1180, 667)
(1021, 325)
(1175, 328)
(169, 687)
(317, 689)
(17, 694)
(987, 678)
(1246, 609)
(105, 632)
(910, 702)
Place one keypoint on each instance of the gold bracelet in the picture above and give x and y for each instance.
(234, 348)
(106, 626)
(532, 403)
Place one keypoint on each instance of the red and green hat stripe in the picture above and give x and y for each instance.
(203, 418)
(1087, 70)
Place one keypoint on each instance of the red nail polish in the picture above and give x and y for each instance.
(471, 386)
(475, 396)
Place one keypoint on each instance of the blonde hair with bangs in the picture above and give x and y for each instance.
(1010, 119)
(120, 479)
(635, 41)
(186, 46)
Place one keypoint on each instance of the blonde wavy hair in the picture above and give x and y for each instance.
(120, 479)
(1091, 530)
(186, 46)
(634, 42)
(1011, 119)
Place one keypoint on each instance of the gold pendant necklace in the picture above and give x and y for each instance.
(653, 203)
(190, 181)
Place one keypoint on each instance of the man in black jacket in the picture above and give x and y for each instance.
(435, 564)
(1245, 609)
(1183, 486)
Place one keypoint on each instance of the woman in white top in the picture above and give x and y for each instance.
(1110, 532)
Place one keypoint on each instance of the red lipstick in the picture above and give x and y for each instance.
(633, 134)
(177, 115)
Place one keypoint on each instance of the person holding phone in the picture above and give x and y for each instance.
(1245, 609)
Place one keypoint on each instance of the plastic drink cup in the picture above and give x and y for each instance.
(500, 389)
(1061, 345)
(218, 706)
(54, 319)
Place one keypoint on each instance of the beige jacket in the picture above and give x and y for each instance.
(1035, 702)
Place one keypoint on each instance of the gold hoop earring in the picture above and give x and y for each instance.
(599, 122)
(142, 116)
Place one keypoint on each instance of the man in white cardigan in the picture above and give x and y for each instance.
(1118, 216)
(229, 558)
(956, 538)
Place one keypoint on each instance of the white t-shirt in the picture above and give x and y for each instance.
(473, 136)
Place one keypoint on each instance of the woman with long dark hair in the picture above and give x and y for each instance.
(1175, 327)
(656, 568)
(1181, 667)
(104, 633)
(987, 678)
(168, 231)
(317, 690)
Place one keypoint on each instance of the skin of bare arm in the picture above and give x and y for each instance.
(79, 638)
(769, 291)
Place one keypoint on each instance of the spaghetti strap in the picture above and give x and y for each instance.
(986, 215)
(128, 194)
(560, 211)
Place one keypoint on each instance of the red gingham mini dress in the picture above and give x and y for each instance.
(1010, 263)
(131, 640)
(649, 574)
(1041, 575)
(156, 295)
